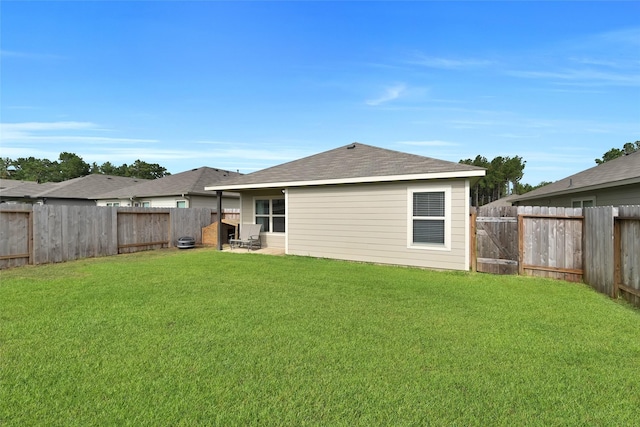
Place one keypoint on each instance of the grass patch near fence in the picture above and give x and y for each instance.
(201, 337)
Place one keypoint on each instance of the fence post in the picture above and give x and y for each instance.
(219, 209)
(172, 217)
(617, 273)
(30, 236)
(520, 243)
(473, 244)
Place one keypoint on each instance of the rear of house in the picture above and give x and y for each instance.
(390, 207)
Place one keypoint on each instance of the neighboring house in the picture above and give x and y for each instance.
(182, 190)
(362, 203)
(17, 191)
(78, 191)
(613, 183)
(502, 201)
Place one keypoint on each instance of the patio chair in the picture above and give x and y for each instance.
(249, 237)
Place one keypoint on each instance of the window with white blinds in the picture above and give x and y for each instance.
(429, 219)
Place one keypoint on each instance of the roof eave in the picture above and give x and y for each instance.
(571, 190)
(355, 180)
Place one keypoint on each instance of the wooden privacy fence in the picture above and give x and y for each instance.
(612, 251)
(40, 234)
(537, 241)
(600, 246)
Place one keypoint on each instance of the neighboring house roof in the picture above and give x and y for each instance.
(11, 183)
(503, 201)
(354, 163)
(84, 187)
(10, 188)
(190, 182)
(621, 171)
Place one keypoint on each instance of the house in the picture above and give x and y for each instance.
(502, 201)
(613, 183)
(362, 203)
(182, 190)
(18, 191)
(77, 191)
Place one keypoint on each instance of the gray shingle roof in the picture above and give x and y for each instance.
(11, 183)
(353, 162)
(620, 171)
(84, 187)
(190, 182)
(16, 188)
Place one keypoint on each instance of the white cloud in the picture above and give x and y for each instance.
(548, 157)
(515, 135)
(84, 139)
(17, 152)
(391, 93)
(38, 126)
(43, 132)
(216, 142)
(588, 77)
(449, 64)
(88, 140)
(629, 36)
(434, 143)
(250, 154)
(596, 60)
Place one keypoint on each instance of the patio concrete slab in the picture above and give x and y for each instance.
(265, 251)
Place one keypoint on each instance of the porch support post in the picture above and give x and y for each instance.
(219, 207)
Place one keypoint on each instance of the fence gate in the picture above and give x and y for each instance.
(497, 240)
(551, 242)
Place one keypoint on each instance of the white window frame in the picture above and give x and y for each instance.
(143, 203)
(446, 189)
(271, 214)
(113, 204)
(581, 200)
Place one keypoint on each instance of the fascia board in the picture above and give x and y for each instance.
(579, 189)
(358, 180)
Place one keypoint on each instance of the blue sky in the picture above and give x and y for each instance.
(248, 85)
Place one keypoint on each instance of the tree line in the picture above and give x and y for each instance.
(70, 165)
(614, 153)
(501, 179)
(504, 174)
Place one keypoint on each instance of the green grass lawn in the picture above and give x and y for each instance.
(199, 337)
